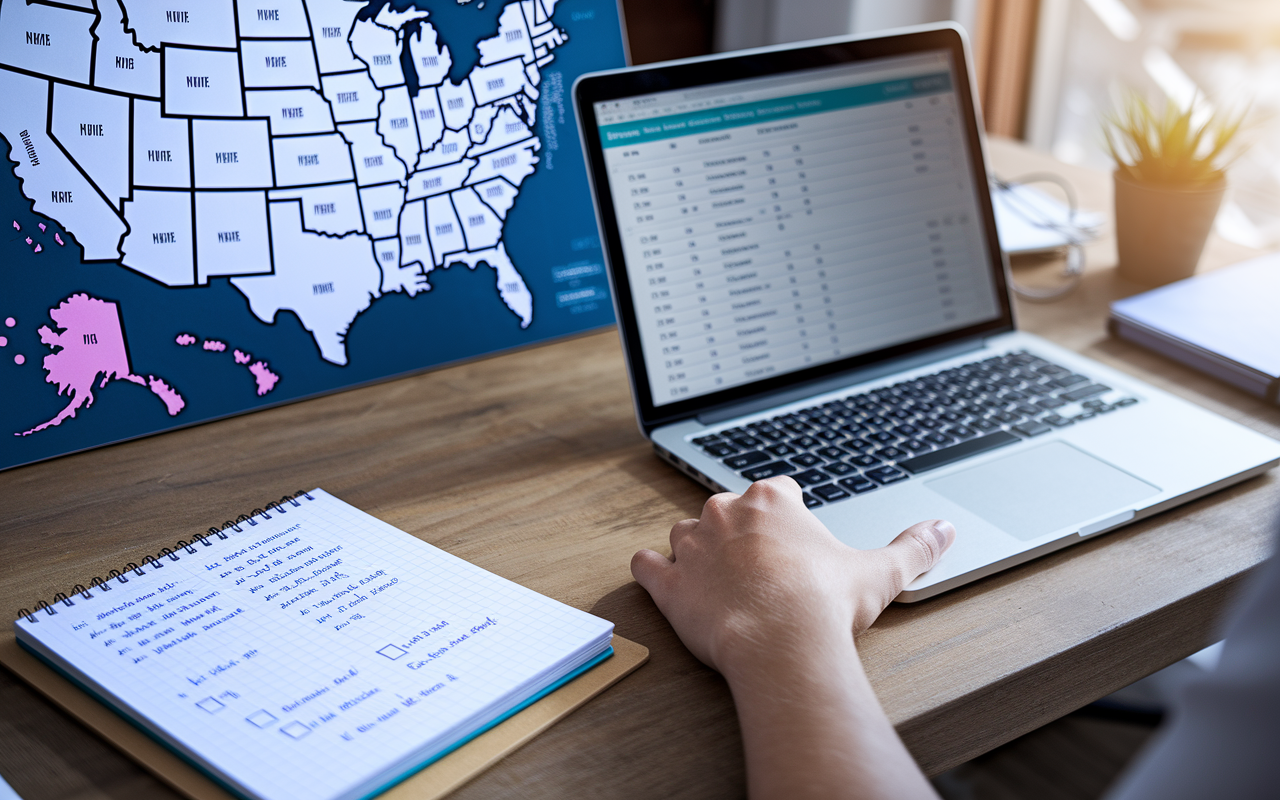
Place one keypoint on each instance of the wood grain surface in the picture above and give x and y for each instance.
(530, 465)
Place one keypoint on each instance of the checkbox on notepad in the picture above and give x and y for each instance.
(262, 718)
(211, 705)
(295, 730)
(392, 652)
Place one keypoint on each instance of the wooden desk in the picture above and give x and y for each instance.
(530, 465)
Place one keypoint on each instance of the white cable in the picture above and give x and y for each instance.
(1073, 271)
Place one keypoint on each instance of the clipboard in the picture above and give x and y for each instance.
(434, 781)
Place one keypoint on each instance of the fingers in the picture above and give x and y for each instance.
(652, 571)
(915, 551)
(781, 487)
(681, 531)
(718, 506)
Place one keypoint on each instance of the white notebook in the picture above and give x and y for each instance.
(313, 650)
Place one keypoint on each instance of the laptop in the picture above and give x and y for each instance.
(808, 282)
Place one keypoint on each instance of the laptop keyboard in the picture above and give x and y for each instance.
(859, 443)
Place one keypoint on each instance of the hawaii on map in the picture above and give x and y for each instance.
(276, 170)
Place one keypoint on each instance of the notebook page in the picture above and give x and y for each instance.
(317, 653)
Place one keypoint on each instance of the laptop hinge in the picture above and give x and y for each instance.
(821, 386)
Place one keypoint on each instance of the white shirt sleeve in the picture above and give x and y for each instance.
(1222, 736)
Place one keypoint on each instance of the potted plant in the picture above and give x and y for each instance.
(1169, 183)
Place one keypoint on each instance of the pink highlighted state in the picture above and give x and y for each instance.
(266, 379)
(89, 344)
(263, 378)
(172, 400)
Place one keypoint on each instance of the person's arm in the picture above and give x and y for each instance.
(760, 590)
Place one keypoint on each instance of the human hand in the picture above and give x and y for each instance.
(759, 571)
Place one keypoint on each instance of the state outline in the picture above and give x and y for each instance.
(350, 156)
(315, 57)
(367, 65)
(133, 32)
(496, 63)
(489, 205)
(426, 238)
(377, 129)
(191, 134)
(195, 267)
(447, 264)
(502, 221)
(195, 244)
(373, 298)
(244, 99)
(302, 215)
(226, 341)
(332, 112)
(124, 338)
(48, 124)
(163, 96)
(471, 91)
(472, 151)
(41, 215)
(461, 230)
(63, 148)
(133, 37)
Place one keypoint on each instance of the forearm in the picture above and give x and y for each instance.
(812, 727)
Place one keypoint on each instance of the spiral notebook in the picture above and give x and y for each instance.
(311, 650)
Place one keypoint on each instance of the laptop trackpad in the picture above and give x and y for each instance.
(1042, 490)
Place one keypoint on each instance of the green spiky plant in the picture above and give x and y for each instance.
(1168, 147)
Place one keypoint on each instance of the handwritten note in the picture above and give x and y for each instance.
(314, 652)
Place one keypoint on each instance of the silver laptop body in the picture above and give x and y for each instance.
(804, 266)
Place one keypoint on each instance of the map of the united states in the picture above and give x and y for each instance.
(276, 143)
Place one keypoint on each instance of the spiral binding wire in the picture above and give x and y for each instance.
(155, 562)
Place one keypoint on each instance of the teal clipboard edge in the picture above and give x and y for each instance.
(231, 789)
(607, 654)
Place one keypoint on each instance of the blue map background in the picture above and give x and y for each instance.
(551, 227)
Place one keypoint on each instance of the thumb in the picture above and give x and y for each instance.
(914, 552)
(652, 570)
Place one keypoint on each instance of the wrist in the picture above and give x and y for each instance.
(751, 660)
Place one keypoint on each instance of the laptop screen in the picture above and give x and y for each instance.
(779, 223)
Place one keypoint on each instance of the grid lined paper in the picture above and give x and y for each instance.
(316, 653)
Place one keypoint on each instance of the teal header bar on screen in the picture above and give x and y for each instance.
(772, 110)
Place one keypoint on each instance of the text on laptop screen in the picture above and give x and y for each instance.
(775, 224)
